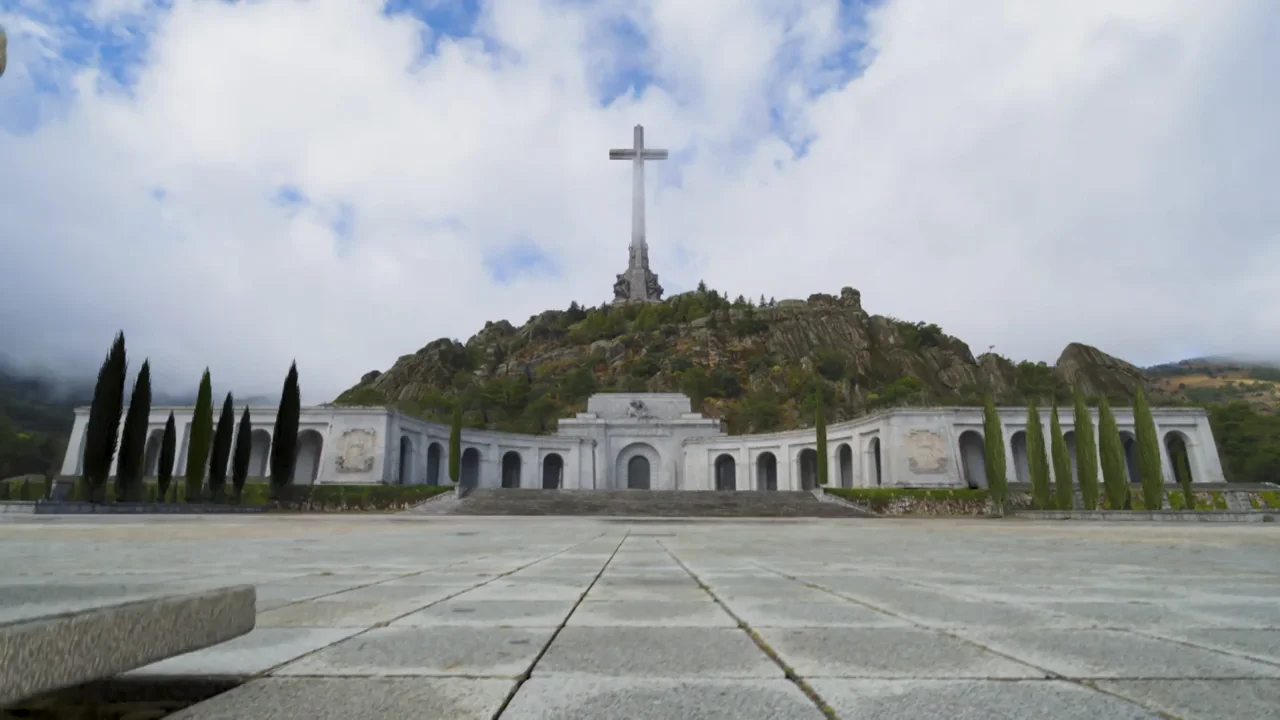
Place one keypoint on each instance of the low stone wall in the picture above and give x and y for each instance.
(922, 502)
(17, 507)
(84, 508)
(1152, 515)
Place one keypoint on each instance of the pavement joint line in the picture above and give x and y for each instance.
(388, 621)
(1188, 643)
(804, 687)
(1091, 684)
(360, 587)
(940, 631)
(524, 677)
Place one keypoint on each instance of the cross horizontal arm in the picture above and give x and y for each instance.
(653, 154)
(622, 154)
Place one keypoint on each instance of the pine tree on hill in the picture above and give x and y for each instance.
(1149, 466)
(284, 445)
(993, 455)
(201, 437)
(104, 421)
(168, 448)
(1037, 461)
(1086, 452)
(240, 458)
(221, 452)
(133, 439)
(1064, 493)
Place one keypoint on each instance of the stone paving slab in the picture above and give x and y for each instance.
(651, 613)
(656, 652)
(471, 652)
(888, 653)
(348, 698)
(257, 652)
(332, 613)
(1261, 645)
(1116, 654)
(490, 613)
(38, 654)
(1203, 699)
(973, 700)
(798, 615)
(579, 698)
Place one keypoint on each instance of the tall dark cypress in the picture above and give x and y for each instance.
(455, 444)
(1064, 493)
(133, 439)
(993, 455)
(168, 448)
(201, 438)
(1037, 461)
(821, 423)
(240, 458)
(284, 445)
(221, 452)
(104, 421)
(1148, 442)
(1086, 453)
(1114, 483)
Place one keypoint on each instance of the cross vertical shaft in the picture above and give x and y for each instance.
(638, 282)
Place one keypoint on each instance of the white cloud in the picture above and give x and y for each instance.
(1024, 175)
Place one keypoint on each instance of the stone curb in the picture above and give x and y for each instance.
(47, 653)
(17, 507)
(1152, 515)
(85, 508)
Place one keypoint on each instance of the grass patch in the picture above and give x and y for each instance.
(30, 487)
(881, 499)
(1270, 498)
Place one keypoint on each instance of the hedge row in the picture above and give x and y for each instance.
(296, 497)
(879, 500)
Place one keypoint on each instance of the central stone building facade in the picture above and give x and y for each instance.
(654, 441)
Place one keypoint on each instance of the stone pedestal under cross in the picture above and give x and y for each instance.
(638, 282)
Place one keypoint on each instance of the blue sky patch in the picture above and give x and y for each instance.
(521, 259)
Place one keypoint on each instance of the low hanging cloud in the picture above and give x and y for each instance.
(241, 184)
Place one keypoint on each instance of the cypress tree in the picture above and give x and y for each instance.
(1114, 483)
(1144, 427)
(221, 452)
(284, 446)
(133, 439)
(455, 444)
(1086, 453)
(168, 447)
(240, 459)
(104, 421)
(1064, 493)
(821, 422)
(201, 437)
(993, 455)
(1037, 461)
(1182, 468)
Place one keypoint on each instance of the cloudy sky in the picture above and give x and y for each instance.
(237, 184)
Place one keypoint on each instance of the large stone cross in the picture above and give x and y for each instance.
(637, 154)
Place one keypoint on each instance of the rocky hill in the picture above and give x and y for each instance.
(755, 365)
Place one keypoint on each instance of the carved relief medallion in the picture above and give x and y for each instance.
(926, 452)
(357, 451)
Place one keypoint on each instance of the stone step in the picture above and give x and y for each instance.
(647, 503)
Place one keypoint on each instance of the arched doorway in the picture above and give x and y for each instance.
(1130, 445)
(1021, 464)
(511, 469)
(406, 460)
(726, 473)
(433, 463)
(973, 459)
(469, 468)
(873, 449)
(259, 453)
(552, 471)
(638, 473)
(1069, 437)
(306, 468)
(151, 464)
(1179, 450)
(767, 472)
(844, 458)
(808, 462)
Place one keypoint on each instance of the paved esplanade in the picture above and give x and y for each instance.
(397, 616)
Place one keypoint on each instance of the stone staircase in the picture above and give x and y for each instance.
(649, 503)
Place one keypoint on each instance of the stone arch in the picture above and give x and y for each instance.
(767, 472)
(726, 472)
(973, 459)
(469, 468)
(1129, 444)
(434, 452)
(1069, 437)
(807, 461)
(1178, 448)
(844, 461)
(511, 467)
(259, 453)
(306, 468)
(406, 460)
(151, 458)
(636, 475)
(873, 451)
(1021, 463)
(552, 471)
